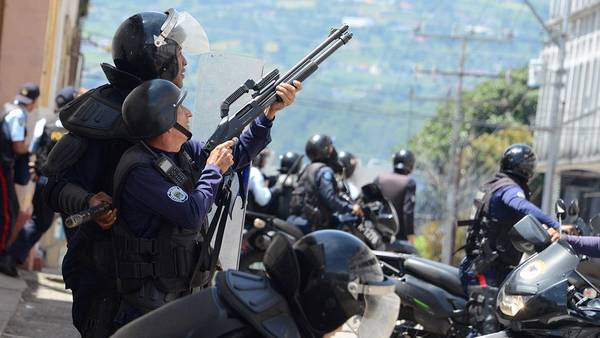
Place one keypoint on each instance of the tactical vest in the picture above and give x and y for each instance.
(494, 231)
(305, 200)
(167, 261)
(283, 194)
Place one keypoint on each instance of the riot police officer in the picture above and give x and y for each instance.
(489, 254)
(281, 192)
(42, 214)
(400, 189)
(165, 196)
(317, 196)
(13, 122)
(80, 168)
(313, 287)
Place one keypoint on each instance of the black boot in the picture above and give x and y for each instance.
(8, 265)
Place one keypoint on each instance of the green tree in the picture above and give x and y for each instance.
(497, 113)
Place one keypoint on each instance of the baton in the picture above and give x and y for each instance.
(86, 215)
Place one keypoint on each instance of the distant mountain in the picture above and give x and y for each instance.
(361, 95)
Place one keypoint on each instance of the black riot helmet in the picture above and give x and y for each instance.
(151, 109)
(146, 44)
(349, 163)
(519, 160)
(291, 163)
(404, 162)
(329, 276)
(319, 148)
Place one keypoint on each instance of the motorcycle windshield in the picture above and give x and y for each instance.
(543, 270)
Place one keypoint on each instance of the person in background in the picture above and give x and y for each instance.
(43, 215)
(13, 131)
(400, 189)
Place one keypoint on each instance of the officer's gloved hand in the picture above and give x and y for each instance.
(108, 218)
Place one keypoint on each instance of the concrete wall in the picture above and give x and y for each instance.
(22, 44)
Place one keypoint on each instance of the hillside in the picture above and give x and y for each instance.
(361, 95)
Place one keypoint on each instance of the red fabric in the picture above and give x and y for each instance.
(482, 280)
(5, 211)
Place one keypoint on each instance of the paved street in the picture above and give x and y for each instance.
(44, 309)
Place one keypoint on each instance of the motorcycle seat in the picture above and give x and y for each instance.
(442, 275)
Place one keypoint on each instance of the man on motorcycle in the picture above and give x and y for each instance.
(490, 255)
(400, 190)
(314, 287)
(317, 196)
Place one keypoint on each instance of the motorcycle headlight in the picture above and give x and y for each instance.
(510, 305)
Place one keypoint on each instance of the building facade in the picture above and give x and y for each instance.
(578, 168)
(40, 43)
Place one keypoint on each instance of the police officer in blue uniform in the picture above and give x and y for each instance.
(317, 196)
(43, 215)
(490, 254)
(164, 195)
(81, 166)
(14, 156)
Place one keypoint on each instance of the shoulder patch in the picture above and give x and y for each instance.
(177, 194)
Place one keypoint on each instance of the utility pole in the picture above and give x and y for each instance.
(557, 108)
(454, 155)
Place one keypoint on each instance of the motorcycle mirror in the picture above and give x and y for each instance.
(595, 225)
(573, 208)
(560, 209)
(529, 235)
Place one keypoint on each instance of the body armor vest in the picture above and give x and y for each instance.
(487, 230)
(306, 201)
(167, 261)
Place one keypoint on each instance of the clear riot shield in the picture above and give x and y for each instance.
(218, 75)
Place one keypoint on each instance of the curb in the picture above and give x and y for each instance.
(11, 290)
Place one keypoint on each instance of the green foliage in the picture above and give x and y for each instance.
(497, 114)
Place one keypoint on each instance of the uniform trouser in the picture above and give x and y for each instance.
(34, 228)
(9, 205)
(94, 311)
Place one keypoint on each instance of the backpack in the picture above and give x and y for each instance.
(305, 197)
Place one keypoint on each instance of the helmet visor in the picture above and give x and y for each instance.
(381, 309)
(185, 30)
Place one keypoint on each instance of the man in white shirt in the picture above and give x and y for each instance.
(13, 124)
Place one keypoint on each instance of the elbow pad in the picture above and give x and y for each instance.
(73, 199)
(69, 149)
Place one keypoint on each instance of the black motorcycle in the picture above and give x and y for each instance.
(547, 295)
(257, 238)
(380, 224)
(433, 301)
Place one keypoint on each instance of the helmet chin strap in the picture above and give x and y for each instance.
(183, 130)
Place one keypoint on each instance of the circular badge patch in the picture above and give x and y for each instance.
(177, 194)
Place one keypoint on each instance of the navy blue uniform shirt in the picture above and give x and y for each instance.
(329, 193)
(510, 200)
(148, 197)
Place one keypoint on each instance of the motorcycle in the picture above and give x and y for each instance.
(547, 295)
(433, 301)
(378, 227)
(258, 237)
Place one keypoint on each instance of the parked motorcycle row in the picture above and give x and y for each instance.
(552, 293)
